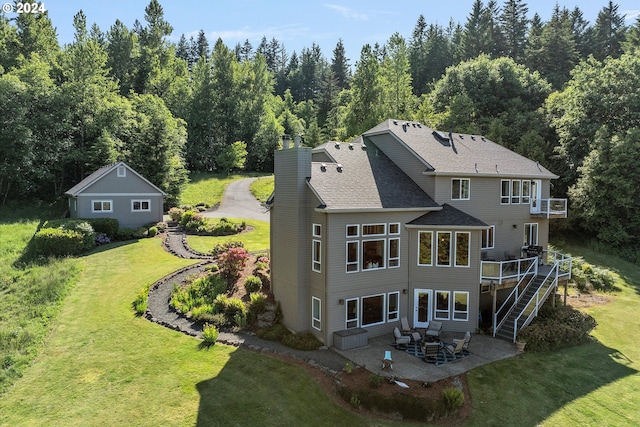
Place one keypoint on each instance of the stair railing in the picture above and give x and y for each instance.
(511, 301)
(531, 309)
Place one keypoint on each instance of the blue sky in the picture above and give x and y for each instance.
(297, 23)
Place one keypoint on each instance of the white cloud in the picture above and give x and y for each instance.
(347, 12)
(631, 15)
(254, 35)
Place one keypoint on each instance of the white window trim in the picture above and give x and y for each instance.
(346, 258)
(384, 255)
(140, 201)
(515, 198)
(357, 226)
(316, 255)
(389, 257)
(431, 260)
(316, 319)
(505, 196)
(396, 312)
(121, 172)
(468, 250)
(384, 309)
(531, 225)
(102, 202)
(316, 230)
(486, 233)
(453, 303)
(346, 314)
(526, 199)
(384, 229)
(461, 192)
(437, 247)
(435, 305)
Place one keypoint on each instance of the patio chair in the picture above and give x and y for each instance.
(406, 329)
(387, 361)
(455, 351)
(430, 351)
(433, 330)
(466, 339)
(401, 340)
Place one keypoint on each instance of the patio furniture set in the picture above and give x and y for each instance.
(429, 346)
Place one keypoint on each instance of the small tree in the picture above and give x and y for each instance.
(232, 262)
(232, 156)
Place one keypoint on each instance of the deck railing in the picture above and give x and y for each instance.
(549, 207)
(511, 270)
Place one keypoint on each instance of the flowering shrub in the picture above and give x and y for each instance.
(224, 247)
(232, 262)
(102, 239)
(262, 263)
(176, 214)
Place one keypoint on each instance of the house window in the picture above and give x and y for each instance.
(393, 306)
(352, 256)
(317, 230)
(353, 317)
(101, 206)
(316, 304)
(373, 310)
(373, 229)
(122, 172)
(353, 230)
(373, 254)
(394, 253)
(460, 305)
(425, 244)
(460, 189)
(515, 192)
(317, 246)
(531, 234)
(394, 228)
(141, 206)
(443, 255)
(488, 237)
(442, 305)
(505, 194)
(526, 192)
(463, 249)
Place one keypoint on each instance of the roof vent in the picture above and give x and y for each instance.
(395, 122)
(364, 147)
(337, 145)
(461, 136)
(482, 138)
(441, 136)
(419, 124)
(473, 137)
(323, 167)
(351, 146)
(339, 167)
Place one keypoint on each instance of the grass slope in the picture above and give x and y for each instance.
(207, 187)
(104, 366)
(256, 240)
(262, 188)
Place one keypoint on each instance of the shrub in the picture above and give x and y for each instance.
(258, 302)
(233, 307)
(187, 216)
(453, 399)
(232, 262)
(557, 328)
(153, 231)
(210, 334)
(224, 227)
(219, 320)
(58, 242)
(375, 380)
(108, 226)
(102, 239)
(196, 224)
(140, 302)
(348, 367)
(273, 333)
(125, 233)
(220, 303)
(224, 247)
(262, 263)
(176, 214)
(80, 226)
(140, 233)
(252, 284)
(305, 341)
(240, 320)
(202, 313)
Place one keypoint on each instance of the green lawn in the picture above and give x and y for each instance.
(591, 385)
(262, 188)
(207, 187)
(102, 366)
(256, 240)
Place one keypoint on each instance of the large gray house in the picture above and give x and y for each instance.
(408, 221)
(117, 191)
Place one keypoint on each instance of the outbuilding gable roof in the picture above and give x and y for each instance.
(459, 154)
(101, 173)
(362, 177)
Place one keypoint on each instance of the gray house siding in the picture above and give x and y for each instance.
(290, 241)
(121, 208)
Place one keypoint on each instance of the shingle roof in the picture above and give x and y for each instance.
(464, 154)
(98, 174)
(448, 216)
(362, 177)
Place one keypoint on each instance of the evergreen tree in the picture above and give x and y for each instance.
(559, 54)
(8, 42)
(363, 111)
(582, 33)
(202, 45)
(340, 66)
(35, 34)
(632, 42)
(395, 80)
(418, 56)
(122, 53)
(608, 32)
(514, 28)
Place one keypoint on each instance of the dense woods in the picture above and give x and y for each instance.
(565, 92)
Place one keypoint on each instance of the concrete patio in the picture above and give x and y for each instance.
(484, 349)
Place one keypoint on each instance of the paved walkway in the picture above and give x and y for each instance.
(238, 202)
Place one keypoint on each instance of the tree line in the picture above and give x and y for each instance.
(564, 92)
